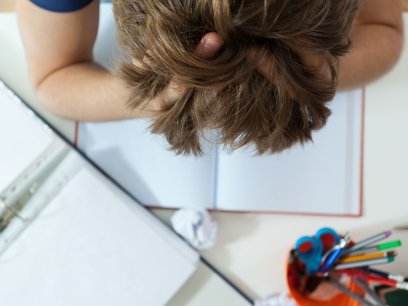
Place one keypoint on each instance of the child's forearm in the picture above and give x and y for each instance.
(58, 48)
(376, 49)
(377, 38)
(86, 91)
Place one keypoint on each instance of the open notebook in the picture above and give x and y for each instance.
(82, 240)
(324, 177)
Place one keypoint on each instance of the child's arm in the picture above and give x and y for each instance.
(59, 47)
(377, 38)
(59, 52)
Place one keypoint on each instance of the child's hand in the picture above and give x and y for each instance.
(314, 61)
(209, 45)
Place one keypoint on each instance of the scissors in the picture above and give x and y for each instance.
(313, 249)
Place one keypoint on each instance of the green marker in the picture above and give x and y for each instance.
(364, 263)
(380, 247)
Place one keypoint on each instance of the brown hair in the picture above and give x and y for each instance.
(227, 92)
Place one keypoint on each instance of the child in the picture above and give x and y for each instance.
(272, 66)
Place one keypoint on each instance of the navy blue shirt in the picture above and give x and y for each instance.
(61, 6)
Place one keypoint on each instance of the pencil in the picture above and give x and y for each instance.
(388, 282)
(396, 277)
(364, 274)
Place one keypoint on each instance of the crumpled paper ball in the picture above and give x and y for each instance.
(196, 226)
(281, 299)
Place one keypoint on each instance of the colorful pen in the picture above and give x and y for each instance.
(364, 263)
(334, 254)
(367, 256)
(369, 241)
(380, 247)
(363, 274)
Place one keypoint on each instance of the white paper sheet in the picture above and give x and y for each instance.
(23, 137)
(143, 164)
(93, 246)
(321, 177)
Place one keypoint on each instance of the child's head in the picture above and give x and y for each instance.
(227, 92)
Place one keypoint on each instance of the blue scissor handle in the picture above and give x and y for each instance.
(328, 231)
(312, 257)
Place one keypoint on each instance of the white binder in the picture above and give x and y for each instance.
(81, 239)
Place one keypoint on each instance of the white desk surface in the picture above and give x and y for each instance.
(251, 249)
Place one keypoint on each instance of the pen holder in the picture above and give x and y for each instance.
(294, 278)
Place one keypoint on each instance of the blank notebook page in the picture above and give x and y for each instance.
(143, 164)
(320, 177)
(23, 137)
(93, 246)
